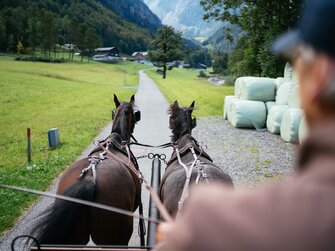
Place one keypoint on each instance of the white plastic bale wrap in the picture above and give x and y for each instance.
(229, 106)
(269, 105)
(274, 119)
(288, 71)
(237, 87)
(257, 89)
(283, 93)
(227, 102)
(294, 98)
(289, 129)
(303, 130)
(279, 81)
(248, 114)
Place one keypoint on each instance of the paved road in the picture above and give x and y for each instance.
(152, 129)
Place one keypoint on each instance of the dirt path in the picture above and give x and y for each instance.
(152, 129)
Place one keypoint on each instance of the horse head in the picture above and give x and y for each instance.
(125, 117)
(181, 120)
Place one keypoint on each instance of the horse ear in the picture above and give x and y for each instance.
(116, 101)
(132, 99)
(192, 105)
(175, 105)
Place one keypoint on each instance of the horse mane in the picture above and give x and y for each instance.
(118, 125)
(179, 123)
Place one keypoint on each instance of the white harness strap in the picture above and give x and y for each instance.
(188, 172)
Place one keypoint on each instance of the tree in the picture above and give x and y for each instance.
(198, 56)
(2, 35)
(166, 46)
(220, 64)
(92, 41)
(48, 27)
(262, 21)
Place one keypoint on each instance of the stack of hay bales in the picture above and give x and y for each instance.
(266, 102)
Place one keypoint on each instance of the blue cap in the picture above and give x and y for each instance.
(316, 29)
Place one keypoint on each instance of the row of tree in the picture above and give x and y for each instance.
(260, 21)
(87, 24)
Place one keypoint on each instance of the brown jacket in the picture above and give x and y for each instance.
(294, 215)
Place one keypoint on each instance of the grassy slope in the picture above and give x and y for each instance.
(184, 85)
(77, 98)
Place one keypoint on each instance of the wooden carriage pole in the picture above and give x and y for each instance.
(153, 211)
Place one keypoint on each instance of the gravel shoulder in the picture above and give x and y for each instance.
(250, 157)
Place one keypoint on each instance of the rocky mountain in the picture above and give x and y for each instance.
(222, 41)
(134, 11)
(185, 16)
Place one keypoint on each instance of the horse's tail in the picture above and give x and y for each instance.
(62, 219)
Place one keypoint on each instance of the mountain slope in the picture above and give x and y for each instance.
(20, 21)
(185, 16)
(134, 11)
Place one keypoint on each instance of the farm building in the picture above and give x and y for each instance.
(107, 54)
(201, 66)
(139, 56)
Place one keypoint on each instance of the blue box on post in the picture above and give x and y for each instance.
(53, 136)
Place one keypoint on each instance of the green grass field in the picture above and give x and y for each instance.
(184, 85)
(75, 97)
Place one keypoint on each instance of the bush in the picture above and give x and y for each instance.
(202, 74)
(40, 59)
(229, 80)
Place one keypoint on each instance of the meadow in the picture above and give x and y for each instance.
(184, 85)
(75, 97)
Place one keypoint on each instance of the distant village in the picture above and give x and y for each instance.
(112, 55)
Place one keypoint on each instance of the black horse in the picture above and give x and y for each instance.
(187, 156)
(105, 177)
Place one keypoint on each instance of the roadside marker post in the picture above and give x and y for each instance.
(29, 146)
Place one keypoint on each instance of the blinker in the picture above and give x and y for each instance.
(137, 115)
(194, 122)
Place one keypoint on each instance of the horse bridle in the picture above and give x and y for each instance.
(136, 115)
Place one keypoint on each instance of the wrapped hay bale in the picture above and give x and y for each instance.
(303, 130)
(257, 89)
(248, 114)
(279, 81)
(289, 127)
(294, 98)
(274, 118)
(227, 101)
(283, 93)
(288, 71)
(230, 103)
(269, 105)
(238, 86)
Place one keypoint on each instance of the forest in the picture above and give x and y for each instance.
(28, 24)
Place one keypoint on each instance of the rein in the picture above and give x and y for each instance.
(79, 201)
